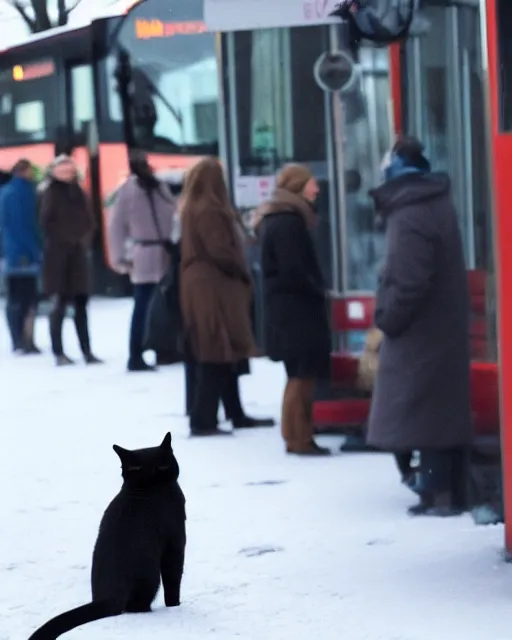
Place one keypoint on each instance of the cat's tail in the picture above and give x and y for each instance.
(55, 627)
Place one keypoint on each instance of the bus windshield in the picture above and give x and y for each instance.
(174, 77)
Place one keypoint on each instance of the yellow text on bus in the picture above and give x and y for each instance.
(148, 29)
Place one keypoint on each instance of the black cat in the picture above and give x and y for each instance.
(141, 537)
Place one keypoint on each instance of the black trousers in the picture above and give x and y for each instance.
(208, 384)
(446, 471)
(57, 315)
(403, 462)
(22, 299)
(141, 298)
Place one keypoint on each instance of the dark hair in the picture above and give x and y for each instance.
(410, 150)
(139, 167)
(21, 167)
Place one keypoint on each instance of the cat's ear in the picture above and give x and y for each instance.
(122, 453)
(166, 442)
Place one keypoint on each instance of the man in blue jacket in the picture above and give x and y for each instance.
(22, 254)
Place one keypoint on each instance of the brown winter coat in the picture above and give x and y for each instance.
(68, 225)
(215, 288)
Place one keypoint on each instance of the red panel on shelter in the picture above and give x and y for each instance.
(352, 313)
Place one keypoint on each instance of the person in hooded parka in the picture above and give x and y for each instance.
(421, 399)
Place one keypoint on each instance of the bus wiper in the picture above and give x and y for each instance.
(153, 88)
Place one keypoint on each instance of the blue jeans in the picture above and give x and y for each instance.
(141, 298)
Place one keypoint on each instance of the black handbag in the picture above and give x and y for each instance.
(163, 330)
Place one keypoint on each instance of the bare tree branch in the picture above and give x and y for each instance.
(40, 8)
(20, 8)
(40, 21)
(73, 6)
(64, 10)
(62, 18)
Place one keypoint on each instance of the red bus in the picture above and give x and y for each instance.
(453, 89)
(58, 91)
(496, 18)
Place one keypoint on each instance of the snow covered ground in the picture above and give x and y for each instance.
(279, 548)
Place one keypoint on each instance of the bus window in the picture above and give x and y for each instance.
(82, 87)
(28, 103)
(174, 79)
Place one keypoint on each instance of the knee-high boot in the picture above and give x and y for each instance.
(289, 413)
(82, 331)
(57, 315)
(304, 436)
(302, 428)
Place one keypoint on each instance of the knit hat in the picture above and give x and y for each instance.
(406, 157)
(411, 152)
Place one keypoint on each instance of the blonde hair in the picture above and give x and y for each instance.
(293, 177)
(204, 187)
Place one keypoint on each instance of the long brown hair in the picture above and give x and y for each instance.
(204, 187)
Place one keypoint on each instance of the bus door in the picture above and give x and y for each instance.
(80, 139)
(77, 139)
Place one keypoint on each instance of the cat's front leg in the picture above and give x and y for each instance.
(171, 569)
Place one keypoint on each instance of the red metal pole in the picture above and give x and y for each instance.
(395, 73)
(501, 161)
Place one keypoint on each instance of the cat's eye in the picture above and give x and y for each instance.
(132, 468)
(164, 468)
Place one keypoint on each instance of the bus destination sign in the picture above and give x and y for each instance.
(33, 71)
(149, 29)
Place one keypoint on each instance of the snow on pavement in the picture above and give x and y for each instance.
(279, 548)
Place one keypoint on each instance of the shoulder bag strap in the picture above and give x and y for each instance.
(165, 243)
(154, 215)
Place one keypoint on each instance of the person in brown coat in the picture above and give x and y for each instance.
(215, 289)
(68, 225)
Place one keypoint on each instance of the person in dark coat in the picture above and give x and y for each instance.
(421, 399)
(296, 323)
(68, 226)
